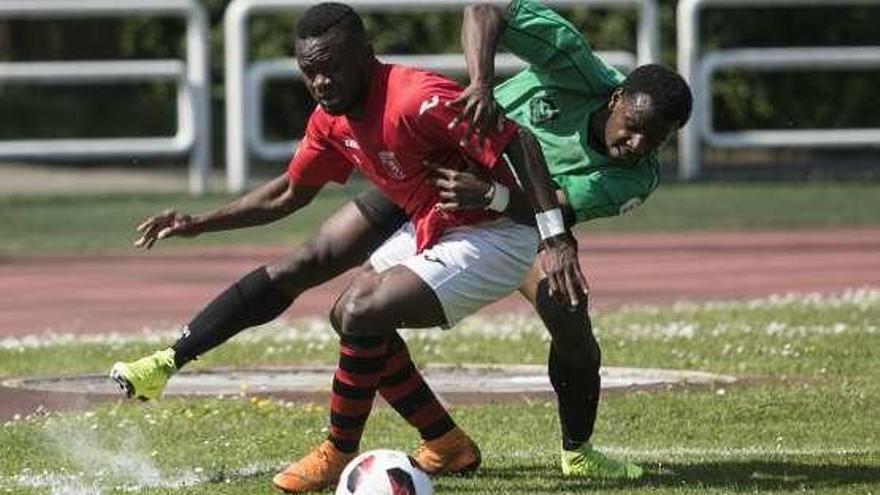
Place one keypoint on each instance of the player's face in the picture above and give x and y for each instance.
(335, 69)
(634, 129)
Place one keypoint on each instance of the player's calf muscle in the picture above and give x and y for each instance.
(571, 331)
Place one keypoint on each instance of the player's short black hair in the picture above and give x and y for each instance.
(669, 92)
(320, 18)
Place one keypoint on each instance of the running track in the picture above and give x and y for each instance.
(130, 292)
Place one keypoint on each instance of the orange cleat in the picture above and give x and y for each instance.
(453, 453)
(318, 470)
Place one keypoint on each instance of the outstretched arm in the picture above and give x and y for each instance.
(481, 28)
(270, 202)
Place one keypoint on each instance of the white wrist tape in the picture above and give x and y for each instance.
(550, 223)
(500, 198)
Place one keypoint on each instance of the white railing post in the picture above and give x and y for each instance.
(687, 26)
(193, 96)
(693, 67)
(648, 38)
(235, 42)
(198, 36)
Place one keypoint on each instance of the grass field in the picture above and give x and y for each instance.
(101, 223)
(804, 421)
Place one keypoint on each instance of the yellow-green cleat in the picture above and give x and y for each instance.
(145, 378)
(587, 462)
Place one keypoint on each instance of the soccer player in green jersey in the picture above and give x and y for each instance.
(599, 132)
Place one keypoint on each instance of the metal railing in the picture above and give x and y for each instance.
(810, 59)
(192, 79)
(286, 68)
(244, 128)
(698, 70)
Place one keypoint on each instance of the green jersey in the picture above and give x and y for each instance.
(555, 97)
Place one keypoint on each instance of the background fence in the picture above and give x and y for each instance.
(776, 88)
(190, 76)
(241, 117)
(698, 68)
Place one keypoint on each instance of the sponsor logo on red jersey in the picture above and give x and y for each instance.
(392, 164)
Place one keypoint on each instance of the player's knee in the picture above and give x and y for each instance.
(336, 316)
(359, 312)
(590, 355)
(354, 317)
(581, 351)
(570, 329)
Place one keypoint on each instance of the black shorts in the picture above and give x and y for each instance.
(385, 216)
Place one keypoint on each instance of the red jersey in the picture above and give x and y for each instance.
(405, 124)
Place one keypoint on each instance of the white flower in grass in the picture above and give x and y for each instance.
(775, 328)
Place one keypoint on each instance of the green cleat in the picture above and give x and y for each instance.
(589, 463)
(145, 378)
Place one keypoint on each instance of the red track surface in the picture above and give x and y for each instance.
(161, 289)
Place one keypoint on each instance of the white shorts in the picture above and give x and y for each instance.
(469, 267)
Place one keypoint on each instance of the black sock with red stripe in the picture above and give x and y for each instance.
(361, 363)
(405, 389)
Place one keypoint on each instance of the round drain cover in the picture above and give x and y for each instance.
(480, 379)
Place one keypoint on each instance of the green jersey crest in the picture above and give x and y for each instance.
(564, 85)
(542, 109)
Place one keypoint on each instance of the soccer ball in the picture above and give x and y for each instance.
(383, 472)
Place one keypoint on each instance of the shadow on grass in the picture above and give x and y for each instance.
(734, 476)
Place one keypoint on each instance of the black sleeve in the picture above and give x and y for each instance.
(385, 216)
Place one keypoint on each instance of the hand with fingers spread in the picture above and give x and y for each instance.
(559, 260)
(169, 223)
(479, 112)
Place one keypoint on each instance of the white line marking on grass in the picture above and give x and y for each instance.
(128, 467)
(660, 453)
(737, 452)
(81, 484)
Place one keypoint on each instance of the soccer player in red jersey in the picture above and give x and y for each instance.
(387, 122)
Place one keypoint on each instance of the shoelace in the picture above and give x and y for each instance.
(323, 460)
(423, 450)
(323, 455)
